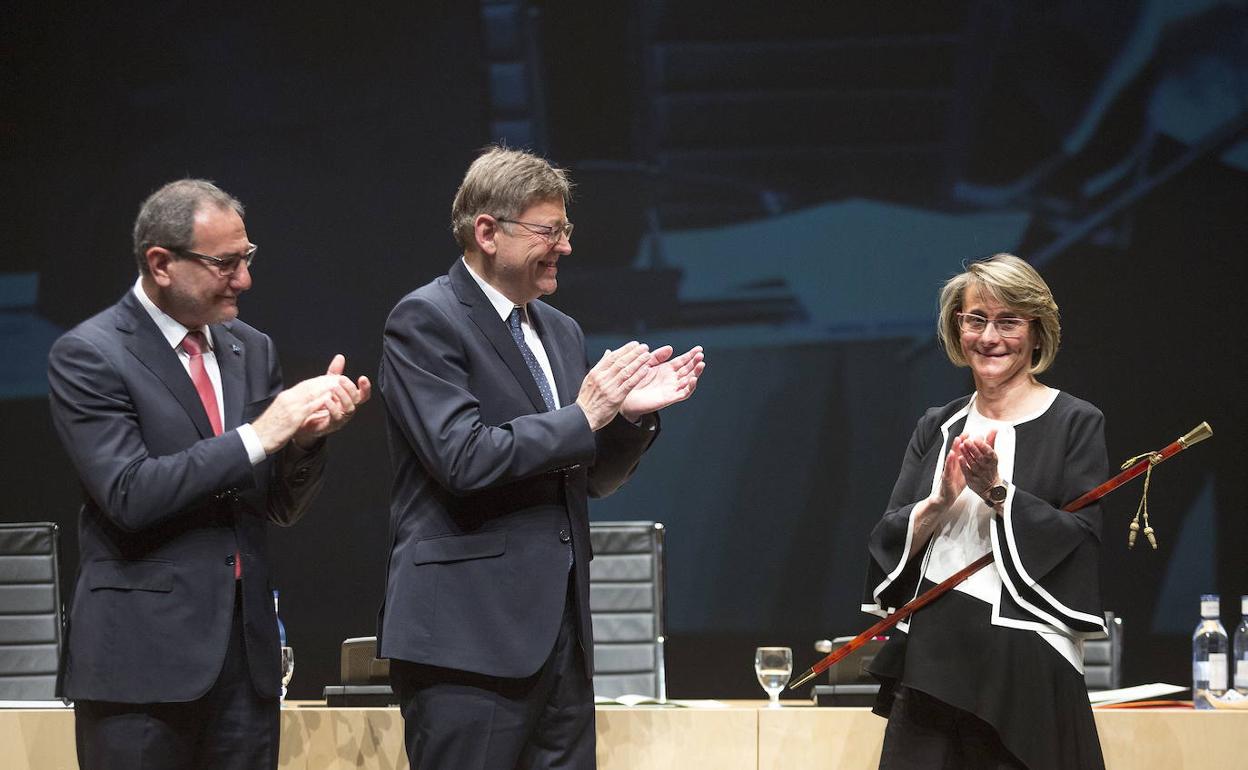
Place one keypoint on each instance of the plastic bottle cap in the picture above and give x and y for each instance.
(1209, 605)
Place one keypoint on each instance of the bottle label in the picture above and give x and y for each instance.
(1241, 674)
(1209, 609)
(1217, 671)
(1210, 674)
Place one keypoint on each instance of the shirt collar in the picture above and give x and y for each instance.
(502, 305)
(173, 331)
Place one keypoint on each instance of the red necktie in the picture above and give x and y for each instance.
(194, 344)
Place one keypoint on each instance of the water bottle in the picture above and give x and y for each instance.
(1209, 654)
(1241, 649)
(288, 655)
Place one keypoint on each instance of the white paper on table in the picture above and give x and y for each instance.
(35, 704)
(1138, 692)
(646, 700)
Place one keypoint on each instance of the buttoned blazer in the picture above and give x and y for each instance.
(489, 487)
(166, 506)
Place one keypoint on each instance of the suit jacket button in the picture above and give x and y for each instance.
(564, 537)
(230, 560)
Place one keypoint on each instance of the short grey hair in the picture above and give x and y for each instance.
(167, 217)
(1015, 284)
(503, 183)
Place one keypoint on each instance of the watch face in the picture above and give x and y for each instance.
(997, 494)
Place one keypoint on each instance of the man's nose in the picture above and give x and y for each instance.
(241, 279)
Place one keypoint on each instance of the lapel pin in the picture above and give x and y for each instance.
(235, 348)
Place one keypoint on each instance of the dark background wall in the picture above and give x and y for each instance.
(345, 131)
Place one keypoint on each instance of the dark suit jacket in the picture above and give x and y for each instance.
(166, 505)
(489, 488)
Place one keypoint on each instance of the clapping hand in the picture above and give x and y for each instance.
(611, 380)
(667, 381)
(952, 481)
(340, 398)
(310, 409)
(978, 463)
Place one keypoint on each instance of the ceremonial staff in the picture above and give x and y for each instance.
(1131, 468)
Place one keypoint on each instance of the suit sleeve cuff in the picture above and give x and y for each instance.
(251, 442)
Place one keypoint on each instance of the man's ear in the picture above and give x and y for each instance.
(484, 232)
(158, 259)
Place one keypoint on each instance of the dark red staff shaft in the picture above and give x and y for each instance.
(1197, 434)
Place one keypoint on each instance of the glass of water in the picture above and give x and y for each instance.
(288, 668)
(774, 666)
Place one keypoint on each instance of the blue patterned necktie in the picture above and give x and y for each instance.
(543, 384)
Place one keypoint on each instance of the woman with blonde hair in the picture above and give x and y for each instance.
(991, 674)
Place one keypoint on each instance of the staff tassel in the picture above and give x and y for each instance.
(1130, 469)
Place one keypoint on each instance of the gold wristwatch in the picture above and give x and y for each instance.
(996, 494)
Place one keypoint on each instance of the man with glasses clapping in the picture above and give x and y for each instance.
(173, 413)
(499, 431)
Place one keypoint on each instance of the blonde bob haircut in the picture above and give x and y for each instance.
(1015, 284)
(503, 183)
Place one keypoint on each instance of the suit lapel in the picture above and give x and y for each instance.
(495, 330)
(229, 352)
(146, 343)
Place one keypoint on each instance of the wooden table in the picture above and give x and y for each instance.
(746, 735)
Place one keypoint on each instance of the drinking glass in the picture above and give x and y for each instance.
(774, 666)
(288, 668)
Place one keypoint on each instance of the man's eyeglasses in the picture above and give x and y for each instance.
(225, 266)
(552, 233)
(972, 323)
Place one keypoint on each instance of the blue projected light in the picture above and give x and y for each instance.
(858, 269)
(1190, 571)
(25, 338)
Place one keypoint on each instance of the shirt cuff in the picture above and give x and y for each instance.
(251, 442)
(647, 422)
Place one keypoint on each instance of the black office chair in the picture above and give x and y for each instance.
(1102, 658)
(848, 683)
(626, 598)
(30, 611)
(626, 584)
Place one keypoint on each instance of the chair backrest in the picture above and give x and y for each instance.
(30, 611)
(626, 584)
(852, 669)
(1102, 658)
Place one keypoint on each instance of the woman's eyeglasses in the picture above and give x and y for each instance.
(1008, 326)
